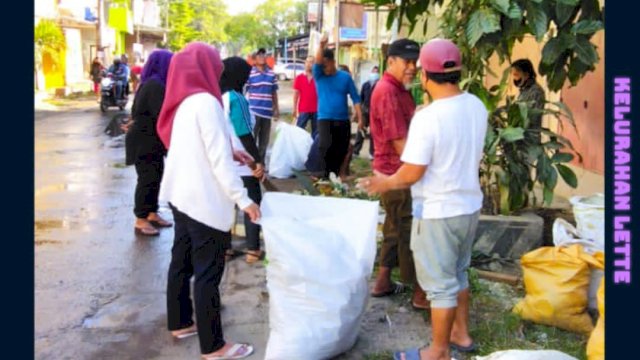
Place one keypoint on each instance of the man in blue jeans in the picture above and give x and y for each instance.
(334, 129)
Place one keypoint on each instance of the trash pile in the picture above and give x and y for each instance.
(562, 281)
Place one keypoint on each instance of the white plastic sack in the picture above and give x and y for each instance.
(565, 234)
(589, 214)
(526, 355)
(289, 151)
(321, 252)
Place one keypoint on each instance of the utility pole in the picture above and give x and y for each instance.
(337, 38)
(99, 29)
(320, 11)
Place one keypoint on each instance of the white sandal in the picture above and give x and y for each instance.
(237, 351)
(185, 332)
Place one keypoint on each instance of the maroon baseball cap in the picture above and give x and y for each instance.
(440, 56)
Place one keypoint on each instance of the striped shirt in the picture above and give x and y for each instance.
(260, 88)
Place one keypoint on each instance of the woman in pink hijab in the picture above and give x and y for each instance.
(202, 188)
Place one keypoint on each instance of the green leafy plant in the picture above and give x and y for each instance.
(515, 159)
(48, 40)
(513, 162)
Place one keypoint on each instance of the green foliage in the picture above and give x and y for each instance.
(48, 39)
(244, 33)
(483, 28)
(272, 20)
(278, 19)
(195, 20)
(514, 159)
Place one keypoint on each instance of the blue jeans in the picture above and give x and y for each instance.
(119, 86)
(304, 118)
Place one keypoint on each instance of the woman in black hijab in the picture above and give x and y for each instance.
(236, 107)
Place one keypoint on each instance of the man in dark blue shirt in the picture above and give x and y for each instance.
(334, 129)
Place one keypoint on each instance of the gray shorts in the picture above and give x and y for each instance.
(442, 254)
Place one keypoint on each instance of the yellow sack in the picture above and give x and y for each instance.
(595, 346)
(556, 280)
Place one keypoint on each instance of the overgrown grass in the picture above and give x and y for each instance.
(495, 327)
(360, 167)
(379, 356)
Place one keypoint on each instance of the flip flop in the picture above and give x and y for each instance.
(160, 223)
(411, 354)
(185, 333)
(146, 231)
(464, 349)
(396, 288)
(416, 307)
(232, 353)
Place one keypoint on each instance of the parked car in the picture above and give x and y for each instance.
(288, 71)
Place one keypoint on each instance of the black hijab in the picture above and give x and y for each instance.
(235, 75)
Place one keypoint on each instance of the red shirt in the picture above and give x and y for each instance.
(308, 97)
(390, 113)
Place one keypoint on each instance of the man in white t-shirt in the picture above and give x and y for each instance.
(441, 162)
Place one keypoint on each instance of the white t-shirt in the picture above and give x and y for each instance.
(447, 136)
(200, 177)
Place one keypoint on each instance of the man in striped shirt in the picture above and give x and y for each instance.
(262, 92)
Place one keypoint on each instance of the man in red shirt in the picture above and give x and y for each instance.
(391, 110)
(305, 99)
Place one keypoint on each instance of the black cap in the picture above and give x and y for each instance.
(261, 51)
(405, 48)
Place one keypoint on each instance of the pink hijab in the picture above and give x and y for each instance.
(195, 69)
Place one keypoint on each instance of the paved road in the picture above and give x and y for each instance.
(100, 289)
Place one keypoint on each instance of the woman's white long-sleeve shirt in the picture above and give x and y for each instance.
(200, 177)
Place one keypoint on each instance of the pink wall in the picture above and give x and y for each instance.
(586, 101)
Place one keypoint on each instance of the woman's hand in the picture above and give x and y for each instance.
(258, 172)
(253, 211)
(126, 126)
(242, 157)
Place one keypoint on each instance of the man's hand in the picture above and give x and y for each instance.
(376, 184)
(276, 114)
(253, 211)
(361, 125)
(295, 115)
(324, 39)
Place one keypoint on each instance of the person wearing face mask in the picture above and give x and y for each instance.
(365, 96)
(524, 77)
(392, 108)
(441, 160)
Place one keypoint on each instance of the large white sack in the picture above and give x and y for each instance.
(526, 355)
(289, 151)
(320, 252)
(565, 234)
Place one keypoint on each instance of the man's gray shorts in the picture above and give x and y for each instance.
(442, 254)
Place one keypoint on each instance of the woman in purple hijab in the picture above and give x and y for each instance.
(143, 146)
